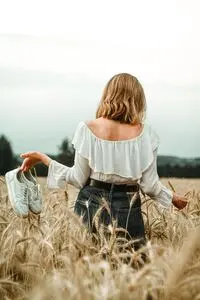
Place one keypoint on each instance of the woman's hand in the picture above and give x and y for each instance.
(32, 158)
(179, 201)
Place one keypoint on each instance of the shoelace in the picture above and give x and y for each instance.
(35, 173)
(36, 187)
(36, 192)
(23, 195)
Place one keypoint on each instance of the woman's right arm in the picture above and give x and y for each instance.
(150, 184)
(59, 174)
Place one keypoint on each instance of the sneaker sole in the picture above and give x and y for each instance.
(11, 198)
(35, 213)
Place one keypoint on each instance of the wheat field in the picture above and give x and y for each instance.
(52, 256)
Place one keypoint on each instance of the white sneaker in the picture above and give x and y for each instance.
(17, 193)
(35, 196)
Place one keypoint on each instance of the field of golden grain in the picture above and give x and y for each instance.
(52, 256)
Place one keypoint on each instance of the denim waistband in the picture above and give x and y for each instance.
(114, 187)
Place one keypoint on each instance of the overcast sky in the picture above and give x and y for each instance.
(56, 56)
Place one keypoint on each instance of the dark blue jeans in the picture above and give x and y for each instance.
(112, 207)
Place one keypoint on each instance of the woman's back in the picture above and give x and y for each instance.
(114, 131)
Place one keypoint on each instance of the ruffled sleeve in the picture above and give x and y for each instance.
(151, 185)
(82, 141)
(59, 174)
(150, 182)
(155, 141)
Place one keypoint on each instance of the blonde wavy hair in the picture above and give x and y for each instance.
(123, 100)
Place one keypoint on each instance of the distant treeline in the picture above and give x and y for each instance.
(168, 166)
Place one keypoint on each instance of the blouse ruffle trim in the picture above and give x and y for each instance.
(113, 157)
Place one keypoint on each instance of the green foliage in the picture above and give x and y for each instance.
(6, 155)
(172, 166)
(66, 153)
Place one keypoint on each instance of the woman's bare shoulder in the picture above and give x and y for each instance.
(94, 123)
(99, 127)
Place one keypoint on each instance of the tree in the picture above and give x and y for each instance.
(66, 153)
(6, 155)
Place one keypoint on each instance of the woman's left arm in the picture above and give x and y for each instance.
(59, 174)
(151, 185)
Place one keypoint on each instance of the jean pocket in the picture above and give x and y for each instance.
(132, 221)
(134, 199)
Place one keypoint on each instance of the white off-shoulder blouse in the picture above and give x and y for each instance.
(126, 161)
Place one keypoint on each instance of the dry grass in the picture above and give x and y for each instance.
(52, 256)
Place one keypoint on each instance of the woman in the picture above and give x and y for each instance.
(116, 155)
